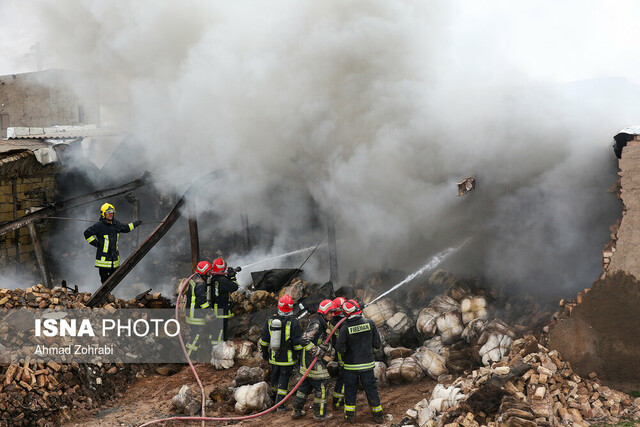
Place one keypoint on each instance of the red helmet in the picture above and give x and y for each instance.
(325, 306)
(285, 304)
(351, 308)
(337, 306)
(219, 266)
(203, 267)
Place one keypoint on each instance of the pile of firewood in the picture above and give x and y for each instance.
(45, 393)
(531, 387)
(40, 297)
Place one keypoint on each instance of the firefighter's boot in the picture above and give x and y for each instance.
(284, 406)
(337, 402)
(298, 404)
(350, 417)
(378, 417)
(320, 411)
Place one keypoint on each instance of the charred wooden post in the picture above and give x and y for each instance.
(193, 233)
(333, 250)
(42, 264)
(244, 217)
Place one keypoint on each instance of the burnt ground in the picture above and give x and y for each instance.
(149, 398)
(603, 333)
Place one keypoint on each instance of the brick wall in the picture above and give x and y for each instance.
(48, 98)
(16, 196)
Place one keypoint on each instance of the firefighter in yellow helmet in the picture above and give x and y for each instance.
(104, 235)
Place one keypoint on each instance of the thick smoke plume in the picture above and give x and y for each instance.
(369, 111)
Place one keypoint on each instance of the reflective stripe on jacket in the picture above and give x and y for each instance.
(105, 237)
(223, 287)
(357, 340)
(290, 341)
(196, 300)
(315, 335)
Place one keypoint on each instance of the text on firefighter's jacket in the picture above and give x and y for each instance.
(139, 327)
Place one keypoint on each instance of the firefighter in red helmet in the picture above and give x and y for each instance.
(223, 284)
(357, 341)
(313, 346)
(280, 346)
(197, 307)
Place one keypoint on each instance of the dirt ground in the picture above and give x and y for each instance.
(149, 398)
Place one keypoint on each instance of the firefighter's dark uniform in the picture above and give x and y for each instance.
(315, 335)
(282, 361)
(357, 340)
(221, 288)
(338, 389)
(104, 236)
(199, 317)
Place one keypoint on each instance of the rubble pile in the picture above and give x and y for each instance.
(33, 392)
(531, 387)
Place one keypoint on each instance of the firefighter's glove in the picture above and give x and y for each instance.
(265, 355)
(322, 349)
(320, 353)
(231, 273)
(136, 223)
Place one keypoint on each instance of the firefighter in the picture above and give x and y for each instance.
(104, 235)
(313, 346)
(223, 284)
(198, 306)
(337, 316)
(357, 341)
(280, 346)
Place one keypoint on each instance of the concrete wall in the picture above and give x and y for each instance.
(48, 98)
(16, 196)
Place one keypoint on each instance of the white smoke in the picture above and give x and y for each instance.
(371, 111)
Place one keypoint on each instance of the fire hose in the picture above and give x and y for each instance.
(204, 418)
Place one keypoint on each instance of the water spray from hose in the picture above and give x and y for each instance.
(282, 256)
(436, 260)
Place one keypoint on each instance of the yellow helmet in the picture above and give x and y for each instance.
(107, 208)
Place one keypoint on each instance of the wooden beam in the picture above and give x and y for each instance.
(333, 250)
(244, 218)
(42, 263)
(16, 235)
(73, 202)
(193, 234)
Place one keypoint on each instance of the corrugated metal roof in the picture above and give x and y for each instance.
(68, 134)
